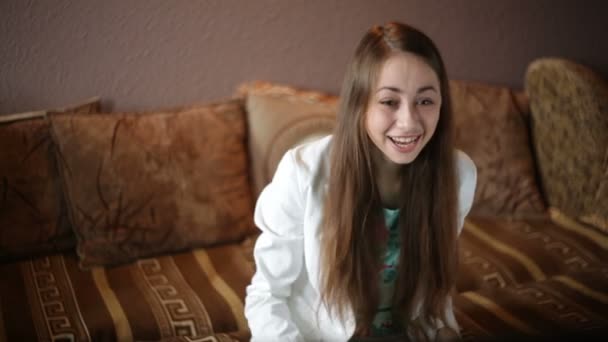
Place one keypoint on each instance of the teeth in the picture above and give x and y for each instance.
(402, 140)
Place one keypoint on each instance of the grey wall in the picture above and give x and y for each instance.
(148, 54)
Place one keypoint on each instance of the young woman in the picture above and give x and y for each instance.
(359, 229)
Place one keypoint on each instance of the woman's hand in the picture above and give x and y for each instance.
(446, 334)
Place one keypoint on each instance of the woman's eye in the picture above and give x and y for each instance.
(425, 102)
(390, 103)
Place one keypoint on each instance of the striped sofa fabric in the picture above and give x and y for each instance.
(554, 283)
(541, 279)
(197, 294)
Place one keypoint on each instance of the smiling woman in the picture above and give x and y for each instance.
(385, 195)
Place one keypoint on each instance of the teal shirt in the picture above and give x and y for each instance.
(383, 324)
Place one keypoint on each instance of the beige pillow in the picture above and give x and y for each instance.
(569, 105)
(280, 117)
(147, 184)
(33, 218)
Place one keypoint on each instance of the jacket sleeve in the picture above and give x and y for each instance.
(278, 255)
(467, 182)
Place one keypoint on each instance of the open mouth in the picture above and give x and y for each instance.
(405, 142)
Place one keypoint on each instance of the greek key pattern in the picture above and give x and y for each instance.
(554, 303)
(55, 312)
(490, 272)
(572, 255)
(171, 299)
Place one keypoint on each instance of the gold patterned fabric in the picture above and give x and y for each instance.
(196, 294)
(569, 123)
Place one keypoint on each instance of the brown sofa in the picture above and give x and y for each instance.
(138, 226)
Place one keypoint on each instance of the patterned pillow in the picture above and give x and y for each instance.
(570, 123)
(491, 128)
(33, 217)
(144, 184)
(280, 117)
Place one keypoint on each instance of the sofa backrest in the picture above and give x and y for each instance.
(490, 123)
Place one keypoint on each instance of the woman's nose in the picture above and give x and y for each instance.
(407, 116)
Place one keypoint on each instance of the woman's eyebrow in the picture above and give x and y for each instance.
(395, 89)
(425, 88)
(398, 90)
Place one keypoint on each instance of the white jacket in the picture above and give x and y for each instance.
(282, 302)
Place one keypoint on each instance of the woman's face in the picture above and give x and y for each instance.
(404, 108)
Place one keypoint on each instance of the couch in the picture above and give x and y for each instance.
(138, 226)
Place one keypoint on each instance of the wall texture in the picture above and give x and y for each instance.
(148, 54)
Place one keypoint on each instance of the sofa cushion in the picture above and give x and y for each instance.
(144, 184)
(569, 105)
(491, 128)
(33, 216)
(280, 117)
(196, 293)
(497, 253)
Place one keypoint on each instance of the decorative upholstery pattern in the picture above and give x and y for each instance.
(569, 307)
(144, 184)
(532, 280)
(33, 216)
(197, 294)
(500, 148)
(281, 117)
(496, 253)
(569, 105)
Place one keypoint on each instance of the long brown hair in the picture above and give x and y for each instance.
(352, 208)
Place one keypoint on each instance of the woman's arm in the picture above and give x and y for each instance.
(278, 255)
